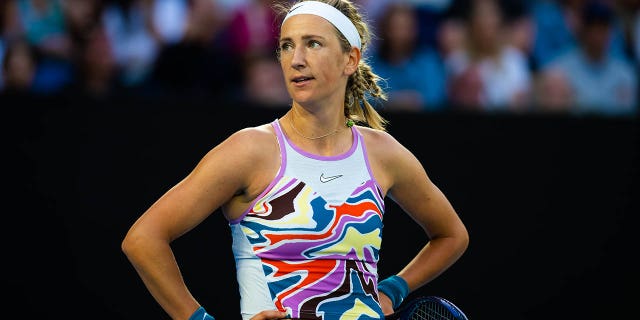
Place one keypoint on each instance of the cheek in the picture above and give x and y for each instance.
(332, 72)
(283, 68)
(339, 65)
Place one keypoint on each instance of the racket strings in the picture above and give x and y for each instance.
(431, 311)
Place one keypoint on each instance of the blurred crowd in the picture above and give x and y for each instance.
(517, 56)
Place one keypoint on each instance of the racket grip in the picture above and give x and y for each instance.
(395, 288)
(201, 314)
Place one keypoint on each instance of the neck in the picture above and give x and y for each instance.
(313, 128)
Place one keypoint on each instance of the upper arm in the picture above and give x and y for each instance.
(412, 189)
(222, 173)
(417, 195)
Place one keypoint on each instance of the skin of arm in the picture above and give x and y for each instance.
(405, 181)
(230, 175)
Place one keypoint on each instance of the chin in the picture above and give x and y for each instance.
(301, 97)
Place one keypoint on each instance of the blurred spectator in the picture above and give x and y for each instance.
(204, 21)
(169, 20)
(135, 48)
(18, 68)
(414, 77)
(253, 28)
(4, 17)
(557, 23)
(627, 12)
(451, 35)
(80, 18)
(9, 22)
(487, 73)
(197, 63)
(95, 77)
(636, 37)
(231, 5)
(553, 93)
(44, 25)
(431, 14)
(602, 82)
(372, 9)
(263, 83)
(520, 28)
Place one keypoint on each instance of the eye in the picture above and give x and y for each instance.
(285, 46)
(314, 44)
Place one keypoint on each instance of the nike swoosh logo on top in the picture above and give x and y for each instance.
(324, 179)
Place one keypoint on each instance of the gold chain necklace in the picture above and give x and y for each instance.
(311, 138)
(349, 123)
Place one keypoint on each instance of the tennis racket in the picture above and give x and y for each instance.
(428, 308)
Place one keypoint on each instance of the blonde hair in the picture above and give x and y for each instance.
(364, 81)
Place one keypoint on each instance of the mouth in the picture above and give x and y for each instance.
(301, 79)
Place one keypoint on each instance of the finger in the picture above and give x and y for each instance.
(270, 315)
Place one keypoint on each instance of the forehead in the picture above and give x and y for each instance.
(305, 25)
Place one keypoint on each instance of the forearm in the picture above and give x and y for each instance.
(434, 258)
(156, 265)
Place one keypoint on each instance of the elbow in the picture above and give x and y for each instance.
(130, 243)
(139, 242)
(126, 245)
(463, 241)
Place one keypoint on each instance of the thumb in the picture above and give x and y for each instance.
(270, 315)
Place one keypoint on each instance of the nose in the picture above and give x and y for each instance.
(298, 58)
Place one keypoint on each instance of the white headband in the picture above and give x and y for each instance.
(331, 14)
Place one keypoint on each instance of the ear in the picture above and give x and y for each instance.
(353, 61)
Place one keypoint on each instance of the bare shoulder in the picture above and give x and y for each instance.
(388, 158)
(245, 161)
(250, 139)
(243, 148)
(381, 144)
(253, 135)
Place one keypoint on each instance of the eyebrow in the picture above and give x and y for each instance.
(305, 37)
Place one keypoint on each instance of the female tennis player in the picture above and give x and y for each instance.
(304, 194)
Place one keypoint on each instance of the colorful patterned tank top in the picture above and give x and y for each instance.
(309, 244)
